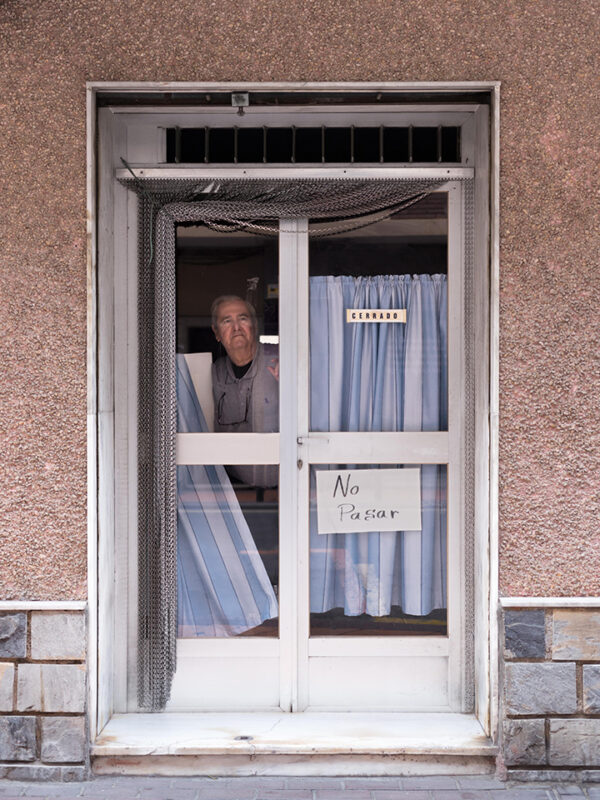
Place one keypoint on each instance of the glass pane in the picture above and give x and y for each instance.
(378, 324)
(228, 327)
(227, 381)
(378, 550)
(227, 554)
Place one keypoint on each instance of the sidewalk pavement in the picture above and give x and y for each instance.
(478, 787)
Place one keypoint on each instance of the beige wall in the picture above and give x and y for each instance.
(544, 54)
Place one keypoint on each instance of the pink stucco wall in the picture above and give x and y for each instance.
(544, 54)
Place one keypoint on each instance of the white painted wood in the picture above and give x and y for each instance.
(92, 408)
(43, 605)
(549, 602)
(209, 171)
(109, 136)
(292, 251)
(456, 437)
(494, 394)
(265, 647)
(302, 300)
(228, 448)
(430, 114)
(405, 172)
(127, 630)
(378, 683)
(123, 291)
(439, 87)
(385, 646)
(242, 683)
(375, 448)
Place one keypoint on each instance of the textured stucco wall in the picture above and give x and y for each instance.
(543, 52)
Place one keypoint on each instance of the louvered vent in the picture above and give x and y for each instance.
(324, 145)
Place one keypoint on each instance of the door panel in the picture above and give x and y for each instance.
(355, 619)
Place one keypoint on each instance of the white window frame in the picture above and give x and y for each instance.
(112, 402)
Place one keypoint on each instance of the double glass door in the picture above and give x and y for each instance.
(319, 452)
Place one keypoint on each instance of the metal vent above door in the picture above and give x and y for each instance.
(314, 145)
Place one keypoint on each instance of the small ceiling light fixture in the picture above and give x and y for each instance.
(240, 100)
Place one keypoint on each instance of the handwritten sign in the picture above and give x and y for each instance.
(375, 315)
(353, 501)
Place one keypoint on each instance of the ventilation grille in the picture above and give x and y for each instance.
(324, 145)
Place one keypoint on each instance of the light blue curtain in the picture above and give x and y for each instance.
(380, 377)
(222, 585)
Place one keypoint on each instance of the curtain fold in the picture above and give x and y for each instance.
(222, 585)
(380, 377)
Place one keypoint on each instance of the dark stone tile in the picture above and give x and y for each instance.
(13, 635)
(17, 738)
(525, 633)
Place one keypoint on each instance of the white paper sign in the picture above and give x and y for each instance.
(353, 501)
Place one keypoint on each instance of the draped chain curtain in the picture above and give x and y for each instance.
(331, 205)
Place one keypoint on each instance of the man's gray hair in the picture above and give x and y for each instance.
(231, 298)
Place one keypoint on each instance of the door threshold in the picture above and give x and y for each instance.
(276, 743)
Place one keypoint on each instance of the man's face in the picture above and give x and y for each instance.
(235, 329)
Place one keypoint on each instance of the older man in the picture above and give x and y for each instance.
(245, 381)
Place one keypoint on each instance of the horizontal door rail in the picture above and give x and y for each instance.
(430, 447)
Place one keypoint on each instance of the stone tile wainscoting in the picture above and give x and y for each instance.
(551, 697)
(43, 730)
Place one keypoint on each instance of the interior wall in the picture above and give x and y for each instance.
(544, 54)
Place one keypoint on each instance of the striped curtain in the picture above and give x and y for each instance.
(222, 585)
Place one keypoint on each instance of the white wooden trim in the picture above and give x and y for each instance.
(384, 646)
(292, 251)
(44, 605)
(494, 405)
(375, 448)
(456, 438)
(550, 602)
(450, 111)
(302, 295)
(92, 412)
(142, 87)
(235, 171)
(227, 448)
(133, 87)
(246, 647)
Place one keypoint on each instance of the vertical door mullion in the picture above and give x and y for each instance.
(456, 433)
(291, 251)
(303, 467)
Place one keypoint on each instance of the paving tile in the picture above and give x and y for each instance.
(395, 794)
(572, 789)
(527, 792)
(286, 794)
(224, 793)
(298, 782)
(460, 794)
(52, 790)
(480, 782)
(429, 782)
(372, 784)
(343, 794)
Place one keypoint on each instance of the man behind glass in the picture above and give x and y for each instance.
(245, 381)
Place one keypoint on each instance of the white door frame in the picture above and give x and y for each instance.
(105, 305)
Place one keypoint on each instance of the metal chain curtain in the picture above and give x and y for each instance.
(257, 205)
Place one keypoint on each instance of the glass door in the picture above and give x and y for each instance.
(320, 466)
(380, 450)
